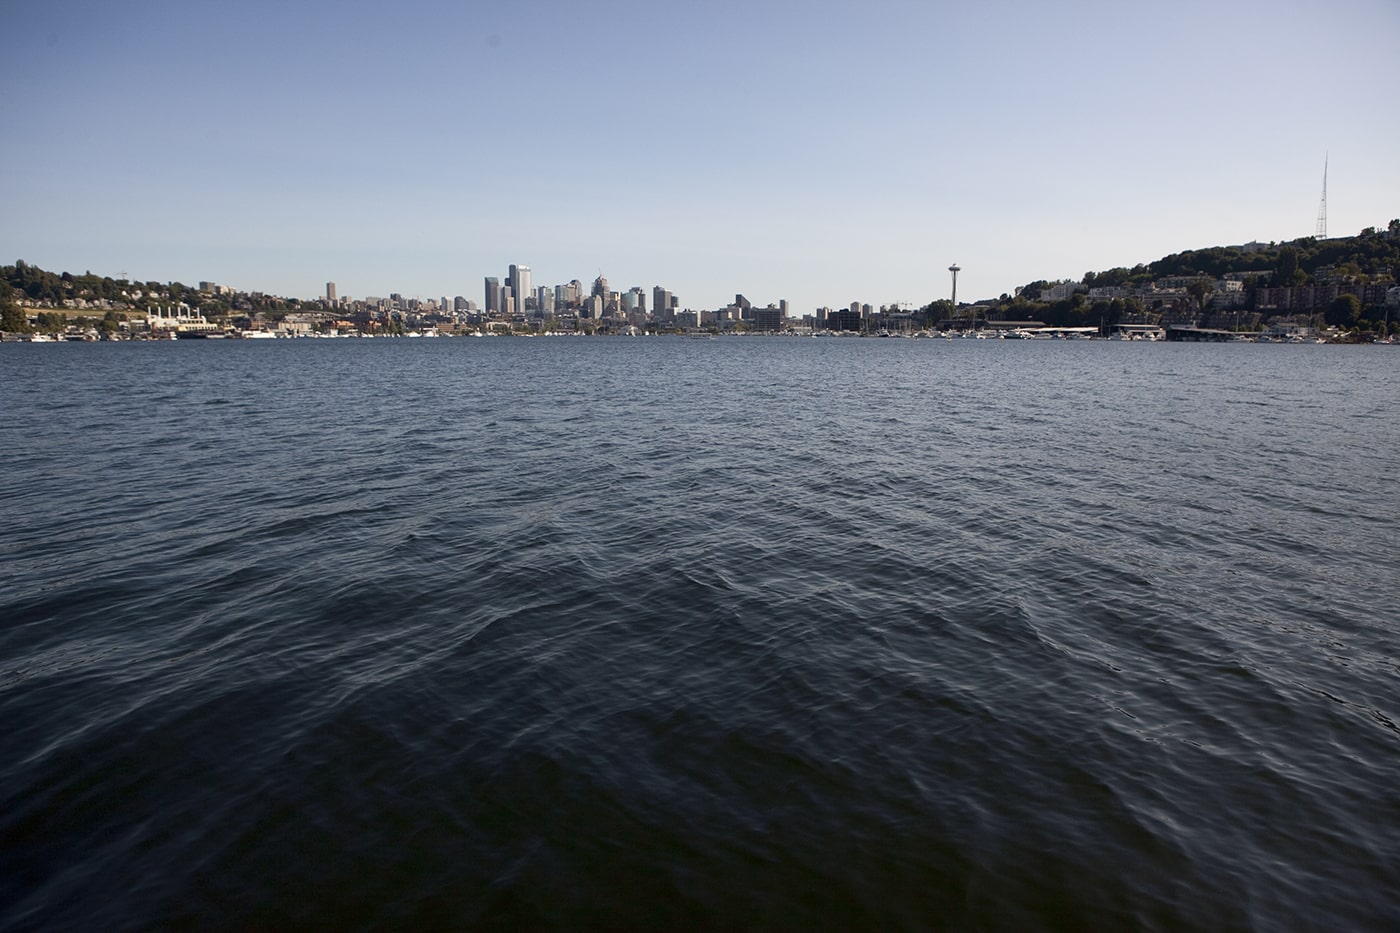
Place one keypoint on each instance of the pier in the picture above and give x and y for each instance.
(1199, 335)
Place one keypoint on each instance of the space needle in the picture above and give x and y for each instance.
(955, 269)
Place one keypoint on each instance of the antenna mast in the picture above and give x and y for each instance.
(1321, 233)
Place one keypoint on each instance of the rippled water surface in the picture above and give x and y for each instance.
(699, 633)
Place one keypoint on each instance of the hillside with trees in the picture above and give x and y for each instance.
(34, 287)
(1340, 282)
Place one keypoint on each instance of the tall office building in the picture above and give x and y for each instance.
(520, 286)
(330, 293)
(493, 294)
(508, 304)
(660, 303)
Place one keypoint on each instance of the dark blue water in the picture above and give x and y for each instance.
(707, 634)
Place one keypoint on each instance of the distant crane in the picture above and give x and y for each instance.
(1321, 233)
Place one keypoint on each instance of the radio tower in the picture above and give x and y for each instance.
(1321, 233)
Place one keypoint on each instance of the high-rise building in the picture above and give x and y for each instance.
(330, 292)
(520, 286)
(660, 303)
(493, 294)
(508, 300)
(600, 288)
(769, 318)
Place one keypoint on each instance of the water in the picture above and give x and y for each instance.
(670, 633)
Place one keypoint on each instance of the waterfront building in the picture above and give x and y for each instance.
(769, 318)
(493, 294)
(846, 319)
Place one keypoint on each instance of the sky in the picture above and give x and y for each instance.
(819, 152)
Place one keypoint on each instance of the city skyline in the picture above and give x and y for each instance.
(847, 154)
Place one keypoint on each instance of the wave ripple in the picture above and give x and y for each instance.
(660, 633)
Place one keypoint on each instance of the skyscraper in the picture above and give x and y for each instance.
(520, 286)
(330, 293)
(493, 294)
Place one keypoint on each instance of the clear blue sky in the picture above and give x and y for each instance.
(821, 152)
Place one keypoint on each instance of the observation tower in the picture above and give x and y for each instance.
(955, 269)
